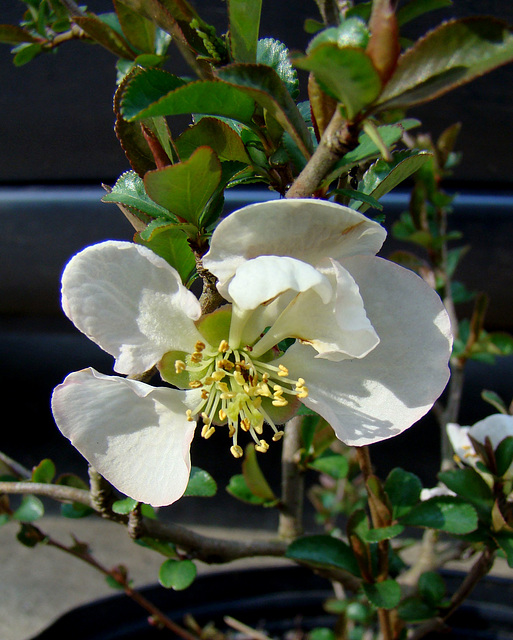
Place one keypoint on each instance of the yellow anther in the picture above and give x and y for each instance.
(263, 390)
(236, 451)
(223, 346)
(204, 394)
(303, 392)
(227, 395)
(206, 419)
(218, 375)
(265, 377)
(188, 413)
(195, 384)
(180, 366)
(280, 402)
(223, 387)
(300, 383)
(222, 415)
(278, 390)
(278, 436)
(231, 430)
(262, 447)
(196, 357)
(259, 428)
(207, 431)
(239, 378)
(199, 346)
(245, 424)
(283, 371)
(225, 364)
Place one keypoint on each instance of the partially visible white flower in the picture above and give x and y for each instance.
(496, 428)
(434, 492)
(371, 343)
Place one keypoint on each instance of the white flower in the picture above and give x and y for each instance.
(370, 343)
(496, 428)
(435, 492)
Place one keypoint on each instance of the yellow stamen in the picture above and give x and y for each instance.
(207, 431)
(196, 357)
(280, 402)
(188, 413)
(199, 346)
(222, 415)
(278, 436)
(223, 346)
(218, 375)
(262, 447)
(206, 419)
(236, 451)
(180, 366)
(283, 371)
(195, 384)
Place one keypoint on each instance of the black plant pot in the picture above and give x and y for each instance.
(276, 600)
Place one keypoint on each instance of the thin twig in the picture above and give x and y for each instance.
(292, 483)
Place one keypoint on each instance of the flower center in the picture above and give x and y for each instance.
(238, 391)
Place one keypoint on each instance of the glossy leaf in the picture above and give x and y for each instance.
(504, 455)
(186, 187)
(138, 30)
(346, 74)
(244, 21)
(383, 48)
(255, 479)
(383, 176)
(169, 241)
(384, 533)
(124, 506)
(105, 35)
(44, 472)
(262, 84)
(416, 8)
(201, 484)
(172, 96)
(31, 508)
(453, 54)
(383, 595)
(336, 466)
(443, 513)
(431, 587)
(323, 551)
(414, 609)
(403, 489)
(468, 484)
(275, 54)
(218, 135)
(505, 542)
(177, 574)
(238, 488)
(130, 191)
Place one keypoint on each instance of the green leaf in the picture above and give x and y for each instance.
(414, 609)
(244, 21)
(13, 34)
(346, 74)
(263, 85)
(431, 587)
(105, 35)
(323, 551)
(444, 513)
(4, 519)
(383, 533)
(504, 455)
(75, 510)
(495, 400)
(255, 479)
(358, 196)
(383, 176)
(124, 506)
(238, 488)
(452, 54)
(275, 54)
(177, 574)
(130, 191)
(321, 633)
(138, 30)
(44, 472)
(403, 489)
(167, 549)
(169, 241)
(416, 8)
(30, 509)
(24, 53)
(150, 93)
(383, 595)
(505, 542)
(468, 484)
(335, 466)
(218, 135)
(201, 484)
(186, 187)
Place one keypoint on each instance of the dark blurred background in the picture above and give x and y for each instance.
(57, 146)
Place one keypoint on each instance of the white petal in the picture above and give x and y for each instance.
(337, 328)
(260, 280)
(373, 398)
(306, 229)
(131, 303)
(135, 435)
(496, 427)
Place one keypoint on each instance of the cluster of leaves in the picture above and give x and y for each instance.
(248, 123)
